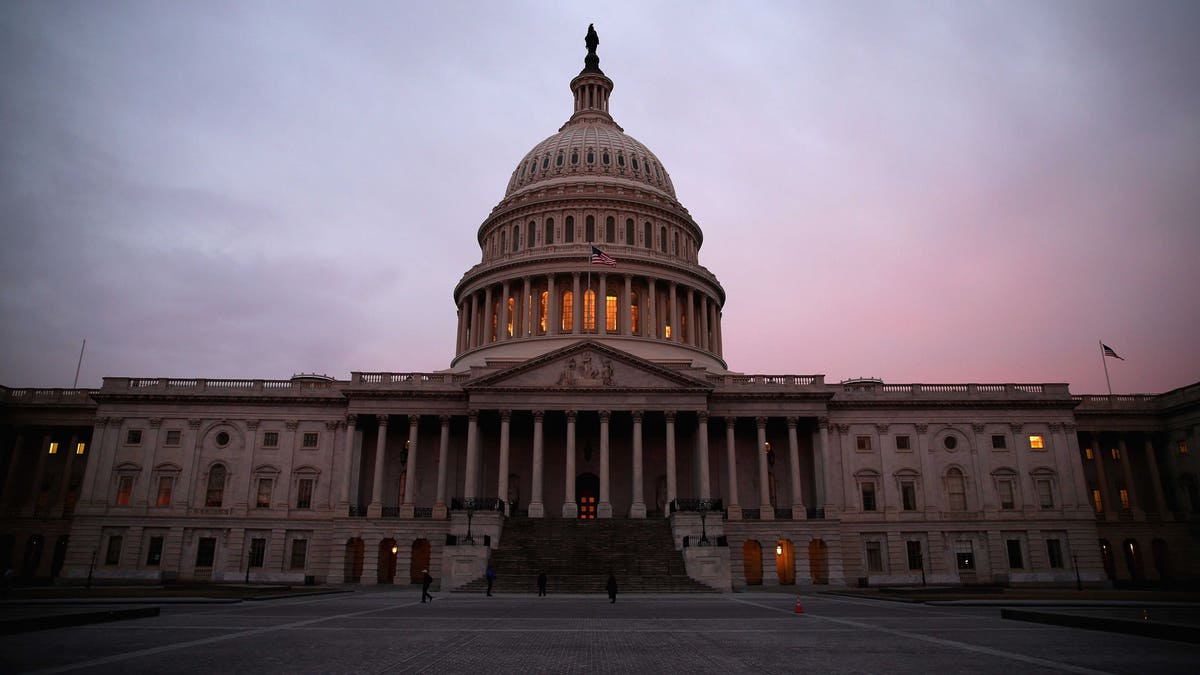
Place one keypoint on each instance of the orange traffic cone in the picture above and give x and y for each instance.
(799, 607)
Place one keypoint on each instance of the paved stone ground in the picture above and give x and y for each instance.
(388, 631)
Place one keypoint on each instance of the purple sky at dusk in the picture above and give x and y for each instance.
(918, 191)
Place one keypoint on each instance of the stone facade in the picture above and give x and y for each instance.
(583, 390)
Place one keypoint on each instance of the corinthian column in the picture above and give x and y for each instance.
(767, 511)
(472, 454)
(702, 440)
(604, 508)
(536, 508)
(638, 508)
(408, 508)
(570, 509)
(732, 508)
(375, 508)
(798, 512)
(502, 482)
(670, 417)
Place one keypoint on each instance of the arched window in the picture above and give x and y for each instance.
(621, 160)
(604, 158)
(610, 229)
(635, 326)
(569, 230)
(549, 231)
(532, 166)
(512, 302)
(956, 490)
(648, 236)
(662, 239)
(629, 232)
(215, 493)
(610, 313)
(589, 310)
(516, 238)
(568, 311)
(558, 161)
(674, 243)
(503, 242)
(635, 164)
(546, 162)
(589, 226)
(591, 156)
(542, 312)
(574, 156)
(530, 235)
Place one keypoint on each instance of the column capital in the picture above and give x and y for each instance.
(823, 423)
(761, 422)
(192, 424)
(628, 276)
(730, 420)
(571, 414)
(333, 425)
(473, 415)
(292, 425)
(843, 429)
(637, 415)
(156, 422)
(575, 276)
(1016, 427)
(414, 420)
(382, 420)
(702, 416)
(670, 415)
(250, 424)
(881, 428)
(792, 422)
(978, 427)
(605, 415)
(922, 428)
(1069, 427)
(539, 415)
(505, 415)
(1055, 427)
(444, 419)
(351, 419)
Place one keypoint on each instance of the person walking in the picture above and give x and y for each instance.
(612, 588)
(491, 579)
(426, 582)
(541, 584)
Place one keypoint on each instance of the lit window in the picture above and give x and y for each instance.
(667, 331)
(568, 313)
(543, 299)
(271, 439)
(512, 305)
(610, 313)
(864, 443)
(1036, 442)
(1183, 449)
(133, 437)
(634, 324)
(589, 310)
(1115, 452)
(305, 489)
(1087, 452)
(124, 490)
(964, 555)
(80, 448)
(868, 496)
(999, 442)
(53, 448)
(1097, 502)
(1124, 494)
(903, 443)
(263, 500)
(1007, 499)
(310, 439)
(173, 436)
(165, 483)
(1045, 493)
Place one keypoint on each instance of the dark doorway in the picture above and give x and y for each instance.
(420, 561)
(752, 562)
(1162, 560)
(387, 561)
(587, 494)
(60, 556)
(353, 567)
(33, 555)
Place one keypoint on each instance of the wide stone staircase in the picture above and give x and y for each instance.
(578, 555)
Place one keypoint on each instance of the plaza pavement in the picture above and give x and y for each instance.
(389, 631)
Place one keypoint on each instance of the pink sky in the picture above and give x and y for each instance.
(921, 192)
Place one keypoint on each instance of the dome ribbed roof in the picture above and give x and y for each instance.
(613, 154)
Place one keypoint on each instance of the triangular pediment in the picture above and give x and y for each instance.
(588, 365)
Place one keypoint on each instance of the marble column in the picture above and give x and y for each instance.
(602, 306)
(638, 507)
(553, 324)
(576, 310)
(64, 484)
(439, 506)
(526, 314)
(489, 330)
(691, 317)
(536, 508)
(469, 491)
(141, 494)
(733, 509)
(375, 508)
(408, 508)
(504, 315)
(704, 340)
(626, 305)
(502, 478)
(40, 471)
(670, 418)
(570, 509)
(348, 470)
(651, 318)
(798, 511)
(1160, 498)
(10, 480)
(604, 507)
(819, 454)
(766, 509)
(473, 332)
(674, 318)
(702, 443)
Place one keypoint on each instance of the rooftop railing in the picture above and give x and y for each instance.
(199, 385)
(43, 395)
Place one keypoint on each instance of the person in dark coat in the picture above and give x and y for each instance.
(541, 584)
(426, 582)
(491, 579)
(612, 588)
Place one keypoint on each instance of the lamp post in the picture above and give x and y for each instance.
(703, 509)
(1075, 564)
(921, 558)
(469, 502)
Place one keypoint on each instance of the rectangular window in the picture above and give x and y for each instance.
(299, 553)
(908, 495)
(999, 442)
(172, 438)
(80, 448)
(263, 500)
(863, 443)
(1054, 553)
(1045, 493)
(112, 555)
(258, 552)
(610, 313)
(1116, 453)
(915, 560)
(206, 551)
(154, 552)
(1015, 561)
(568, 313)
(964, 554)
(1124, 495)
(304, 493)
(1183, 448)
(165, 483)
(874, 557)
(53, 449)
(589, 310)
(1097, 502)
(1007, 499)
(634, 325)
(310, 439)
(1036, 442)
(1087, 452)
(957, 491)
(903, 443)
(271, 439)
(133, 437)
(124, 490)
(868, 496)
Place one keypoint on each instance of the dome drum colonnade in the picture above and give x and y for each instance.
(590, 185)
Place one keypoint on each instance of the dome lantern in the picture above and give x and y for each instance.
(591, 87)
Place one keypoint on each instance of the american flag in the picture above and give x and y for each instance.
(601, 258)
(1108, 351)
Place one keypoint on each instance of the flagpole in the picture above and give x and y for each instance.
(1105, 362)
(583, 328)
(79, 365)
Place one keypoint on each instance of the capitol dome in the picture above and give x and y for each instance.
(589, 242)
